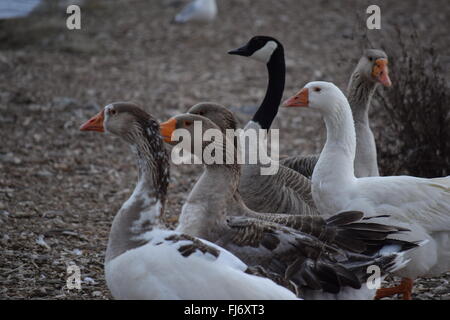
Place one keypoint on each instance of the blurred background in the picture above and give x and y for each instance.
(60, 188)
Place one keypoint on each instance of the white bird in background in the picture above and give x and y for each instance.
(198, 10)
(17, 8)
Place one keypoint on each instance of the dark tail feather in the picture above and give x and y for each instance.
(344, 218)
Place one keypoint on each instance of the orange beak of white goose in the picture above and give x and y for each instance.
(299, 100)
(95, 123)
(167, 128)
(380, 72)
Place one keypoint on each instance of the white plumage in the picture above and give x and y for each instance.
(157, 270)
(422, 205)
(198, 10)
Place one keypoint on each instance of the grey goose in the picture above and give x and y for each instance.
(143, 259)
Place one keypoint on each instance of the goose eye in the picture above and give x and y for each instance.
(201, 113)
(370, 59)
(187, 123)
(316, 89)
(112, 112)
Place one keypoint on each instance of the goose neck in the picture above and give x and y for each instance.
(360, 92)
(268, 109)
(336, 160)
(141, 212)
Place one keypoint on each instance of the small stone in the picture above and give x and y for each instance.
(96, 293)
(77, 252)
(4, 214)
(40, 241)
(52, 214)
(89, 280)
(44, 173)
(21, 215)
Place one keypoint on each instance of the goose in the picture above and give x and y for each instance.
(286, 191)
(370, 72)
(198, 10)
(419, 204)
(146, 261)
(322, 258)
(270, 51)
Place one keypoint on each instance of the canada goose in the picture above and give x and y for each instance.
(146, 261)
(271, 52)
(198, 10)
(323, 258)
(421, 205)
(286, 191)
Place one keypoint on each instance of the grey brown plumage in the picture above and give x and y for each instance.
(285, 192)
(301, 164)
(304, 252)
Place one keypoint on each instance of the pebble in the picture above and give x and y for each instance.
(4, 214)
(21, 215)
(77, 252)
(52, 213)
(40, 241)
(88, 280)
(44, 173)
(96, 293)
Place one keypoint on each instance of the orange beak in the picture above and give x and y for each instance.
(299, 100)
(167, 128)
(380, 72)
(95, 123)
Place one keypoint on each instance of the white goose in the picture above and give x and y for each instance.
(145, 261)
(421, 205)
(198, 10)
(371, 71)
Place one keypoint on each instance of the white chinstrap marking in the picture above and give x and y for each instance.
(265, 52)
(220, 149)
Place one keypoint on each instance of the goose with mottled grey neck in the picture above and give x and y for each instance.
(146, 261)
(421, 205)
(371, 71)
(285, 192)
(320, 258)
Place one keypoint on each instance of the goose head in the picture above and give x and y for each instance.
(200, 131)
(217, 113)
(125, 120)
(260, 48)
(141, 131)
(319, 95)
(373, 67)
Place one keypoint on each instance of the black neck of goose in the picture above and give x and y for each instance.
(360, 92)
(268, 109)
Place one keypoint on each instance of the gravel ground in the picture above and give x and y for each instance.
(60, 188)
